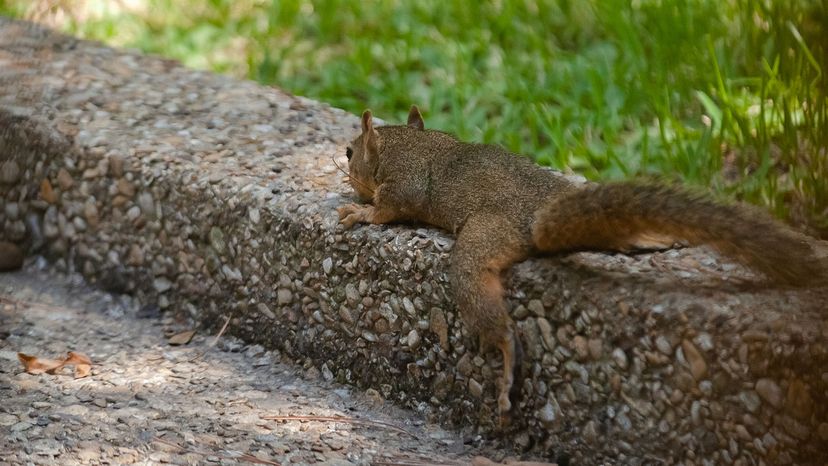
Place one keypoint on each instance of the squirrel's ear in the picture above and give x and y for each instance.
(415, 119)
(369, 134)
(367, 121)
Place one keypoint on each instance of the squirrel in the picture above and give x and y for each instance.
(503, 208)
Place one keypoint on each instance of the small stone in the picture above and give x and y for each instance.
(623, 422)
(793, 427)
(90, 212)
(125, 188)
(254, 216)
(284, 296)
(547, 335)
(265, 311)
(590, 432)
(769, 391)
(704, 341)
(351, 294)
(620, 358)
(9, 172)
(520, 312)
(147, 204)
(133, 213)
(327, 265)
(408, 306)
(531, 335)
(326, 373)
(535, 306)
(578, 370)
(217, 240)
(232, 274)
(695, 412)
(12, 210)
(116, 166)
(596, 348)
(676, 396)
(135, 256)
(464, 365)
(345, 315)
(21, 426)
(161, 284)
(550, 414)
(798, 400)
(579, 345)
(742, 433)
(698, 366)
(8, 419)
(475, 388)
(413, 339)
(663, 345)
(318, 316)
(64, 179)
(438, 325)
(751, 400)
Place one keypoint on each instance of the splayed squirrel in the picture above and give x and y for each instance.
(503, 209)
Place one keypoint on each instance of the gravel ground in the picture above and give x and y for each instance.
(149, 402)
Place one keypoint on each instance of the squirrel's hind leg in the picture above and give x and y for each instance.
(485, 248)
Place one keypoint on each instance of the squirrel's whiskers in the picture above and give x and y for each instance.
(348, 177)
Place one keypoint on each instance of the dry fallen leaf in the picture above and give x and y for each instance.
(82, 370)
(35, 365)
(83, 365)
(77, 358)
(181, 338)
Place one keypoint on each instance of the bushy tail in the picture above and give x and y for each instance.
(618, 216)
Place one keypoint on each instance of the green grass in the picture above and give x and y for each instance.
(726, 94)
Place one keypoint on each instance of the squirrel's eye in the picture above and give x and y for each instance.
(349, 152)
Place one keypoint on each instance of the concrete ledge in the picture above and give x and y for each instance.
(213, 197)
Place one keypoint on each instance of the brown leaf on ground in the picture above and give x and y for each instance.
(82, 370)
(181, 338)
(35, 365)
(73, 357)
(83, 365)
(481, 461)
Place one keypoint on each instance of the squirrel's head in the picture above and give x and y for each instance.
(365, 151)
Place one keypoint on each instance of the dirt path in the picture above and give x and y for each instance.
(148, 402)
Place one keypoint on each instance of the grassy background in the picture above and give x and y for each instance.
(726, 94)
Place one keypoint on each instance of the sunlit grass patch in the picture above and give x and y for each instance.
(727, 94)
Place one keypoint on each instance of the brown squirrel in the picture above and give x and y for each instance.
(504, 208)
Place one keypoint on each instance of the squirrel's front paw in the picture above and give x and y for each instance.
(350, 214)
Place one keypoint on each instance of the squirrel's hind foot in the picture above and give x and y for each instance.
(512, 352)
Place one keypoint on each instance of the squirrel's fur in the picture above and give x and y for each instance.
(504, 208)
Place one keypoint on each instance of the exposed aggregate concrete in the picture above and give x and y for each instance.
(214, 197)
